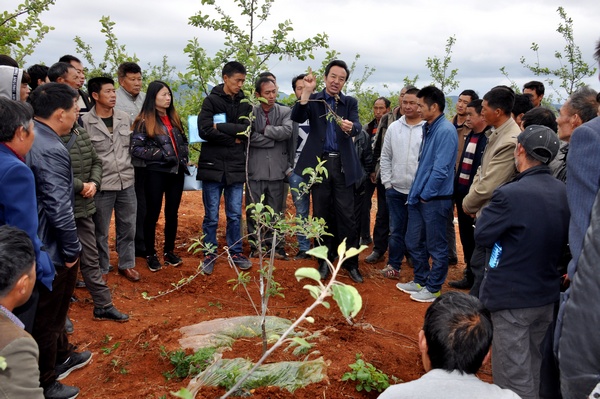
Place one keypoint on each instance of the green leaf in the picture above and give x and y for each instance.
(183, 393)
(318, 252)
(310, 319)
(341, 248)
(326, 304)
(3, 364)
(314, 290)
(348, 299)
(355, 251)
(307, 272)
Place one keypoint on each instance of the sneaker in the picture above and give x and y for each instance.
(60, 391)
(241, 261)
(390, 272)
(69, 326)
(208, 264)
(424, 296)
(73, 362)
(281, 254)
(410, 287)
(111, 313)
(302, 255)
(172, 260)
(153, 263)
(464, 284)
(374, 257)
(80, 284)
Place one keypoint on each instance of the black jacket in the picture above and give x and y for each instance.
(51, 165)
(158, 151)
(224, 153)
(529, 218)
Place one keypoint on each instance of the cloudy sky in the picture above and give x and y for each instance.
(394, 36)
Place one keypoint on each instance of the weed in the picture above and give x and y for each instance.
(107, 350)
(186, 365)
(216, 305)
(107, 338)
(367, 377)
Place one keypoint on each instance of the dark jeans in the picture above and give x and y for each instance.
(334, 202)
(49, 327)
(140, 214)
(396, 203)
(171, 186)
(425, 238)
(89, 265)
(467, 235)
(273, 194)
(211, 198)
(451, 234)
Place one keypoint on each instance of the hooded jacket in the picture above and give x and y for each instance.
(10, 82)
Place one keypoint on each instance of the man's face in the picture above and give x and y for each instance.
(131, 83)
(335, 80)
(565, 122)
(535, 99)
(402, 93)
(68, 118)
(71, 78)
(427, 113)
(461, 105)
(24, 91)
(488, 113)
(299, 88)
(409, 106)
(379, 109)
(29, 137)
(80, 73)
(473, 118)
(233, 83)
(268, 91)
(107, 96)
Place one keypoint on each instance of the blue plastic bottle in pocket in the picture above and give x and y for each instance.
(496, 254)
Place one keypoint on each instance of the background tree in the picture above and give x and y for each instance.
(18, 38)
(443, 77)
(572, 68)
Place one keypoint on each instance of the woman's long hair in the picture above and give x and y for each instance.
(148, 118)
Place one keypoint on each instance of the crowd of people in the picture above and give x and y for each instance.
(526, 218)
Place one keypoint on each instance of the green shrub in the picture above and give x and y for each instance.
(367, 377)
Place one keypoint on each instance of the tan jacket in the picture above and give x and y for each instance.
(112, 149)
(21, 379)
(497, 166)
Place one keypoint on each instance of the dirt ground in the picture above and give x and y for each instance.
(127, 361)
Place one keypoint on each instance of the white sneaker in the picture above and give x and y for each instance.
(410, 287)
(424, 296)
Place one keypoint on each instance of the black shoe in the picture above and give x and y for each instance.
(153, 263)
(208, 265)
(452, 261)
(111, 313)
(74, 362)
(323, 269)
(366, 240)
(80, 284)
(69, 326)
(302, 255)
(464, 284)
(355, 275)
(172, 259)
(374, 257)
(60, 391)
(111, 268)
(280, 254)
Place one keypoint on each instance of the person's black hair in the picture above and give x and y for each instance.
(536, 86)
(59, 70)
(522, 104)
(412, 90)
(37, 72)
(267, 75)
(470, 93)
(502, 97)
(261, 81)
(385, 101)
(296, 79)
(16, 257)
(458, 330)
(540, 116)
(94, 85)
(233, 67)
(338, 63)
(49, 97)
(432, 95)
(26, 78)
(477, 104)
(583, 103)
(128, 67)
(148, 116)
(68, 58)
(13, 114)
(8, 61)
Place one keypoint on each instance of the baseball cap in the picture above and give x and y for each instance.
(540, 142)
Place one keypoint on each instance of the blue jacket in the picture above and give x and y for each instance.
(529, 218)
(315, 112)
(435, 174)
(18, 208)
(51, 165)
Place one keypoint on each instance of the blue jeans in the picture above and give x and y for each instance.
(398, 211)
(302, 204)
(211, 197)
(124, 203)
(426, 237)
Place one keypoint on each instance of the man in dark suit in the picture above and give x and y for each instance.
(330, 139)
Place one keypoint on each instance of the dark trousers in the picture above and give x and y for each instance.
(273, 194)
(364, 215)
(381, 230)
(334, 202)
(26, 312)
(467, 235)
(171, 186)
(49, 326)
(480, 258)
(140, 184)
(89, 264)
